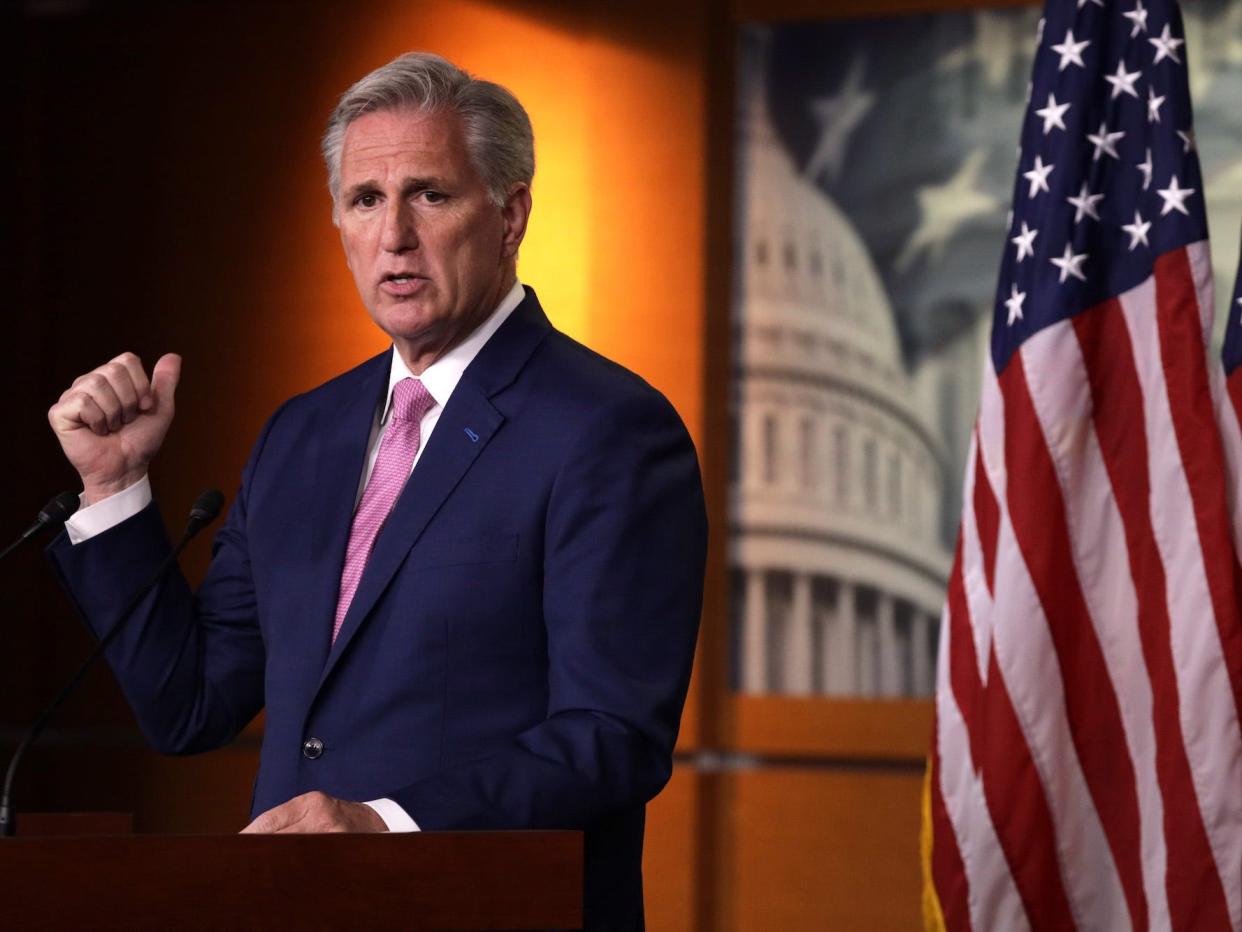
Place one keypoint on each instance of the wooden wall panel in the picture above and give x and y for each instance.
(868, 729)
(670, 854)
(815, 849)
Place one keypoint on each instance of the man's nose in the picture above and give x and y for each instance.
(399, 233)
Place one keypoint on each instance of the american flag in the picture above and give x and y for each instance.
(1086, 768)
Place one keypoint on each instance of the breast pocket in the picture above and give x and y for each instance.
(466, 551)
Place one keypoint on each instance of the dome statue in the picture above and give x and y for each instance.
(836, 549)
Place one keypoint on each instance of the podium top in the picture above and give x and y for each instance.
(421, 880)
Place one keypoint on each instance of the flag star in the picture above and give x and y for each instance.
(1025, 241)
(1174, 198)
(1070, 264)
(1104, 141)
(945, 209)
(1122, 81)
(839, 115)
(1138, 16)
(1153, 105)
(1137, 230)
(1053, 114)
(1083, 3)
(1145, 168)
(1166, 46)
(1071, 51)
(1188, 139)
(1085, 204)
(1038, 176)
(1014, 303)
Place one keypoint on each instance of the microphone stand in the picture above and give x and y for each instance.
(54, 513)
(205, 509)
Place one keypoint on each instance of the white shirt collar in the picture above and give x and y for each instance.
(442, 376)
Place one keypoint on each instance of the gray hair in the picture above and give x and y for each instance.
(497, 129)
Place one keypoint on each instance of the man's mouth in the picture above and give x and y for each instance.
(399, 284)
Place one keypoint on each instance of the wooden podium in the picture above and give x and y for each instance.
(422, 880)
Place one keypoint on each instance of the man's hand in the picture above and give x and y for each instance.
(317, 812)
(111, 422)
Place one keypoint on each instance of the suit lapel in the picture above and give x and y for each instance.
(468, 423)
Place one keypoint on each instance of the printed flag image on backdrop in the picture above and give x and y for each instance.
(1086, 767)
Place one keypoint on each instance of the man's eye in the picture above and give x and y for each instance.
(432, 197)
(366, 200)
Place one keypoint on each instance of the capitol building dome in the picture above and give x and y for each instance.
(837, 487)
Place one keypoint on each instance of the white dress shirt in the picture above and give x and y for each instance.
(440, 379)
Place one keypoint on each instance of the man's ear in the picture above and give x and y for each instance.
(514, 214)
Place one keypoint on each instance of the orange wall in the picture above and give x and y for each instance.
(615, 243)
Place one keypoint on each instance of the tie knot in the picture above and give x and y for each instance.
(411, 400)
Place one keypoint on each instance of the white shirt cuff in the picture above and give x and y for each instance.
(396, 818)
(107, 513)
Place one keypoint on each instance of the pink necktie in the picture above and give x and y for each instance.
(410, 401)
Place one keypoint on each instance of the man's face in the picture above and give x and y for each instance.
(431, 254)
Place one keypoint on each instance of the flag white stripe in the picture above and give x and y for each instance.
(974, 577)
(1200, 255)
(1028, 662)
(1061, 393)
(995, 902)
(989, 871)
(989, 442)
(1207, 712)
(1223, 763)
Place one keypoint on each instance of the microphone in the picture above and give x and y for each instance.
(205, 509)
(53, 514)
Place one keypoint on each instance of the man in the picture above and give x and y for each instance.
(464, 578)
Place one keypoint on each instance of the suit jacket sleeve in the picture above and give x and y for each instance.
(190, 665)
(625, 544)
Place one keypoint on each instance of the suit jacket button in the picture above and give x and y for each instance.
(312, 748)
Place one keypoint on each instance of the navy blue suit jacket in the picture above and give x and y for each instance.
(519, 648)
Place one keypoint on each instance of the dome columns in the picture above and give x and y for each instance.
(805, 634)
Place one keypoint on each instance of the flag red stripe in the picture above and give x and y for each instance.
(1011, 785)
(987, 518)
(1194, 422)
(1019, 809)
(1037, 511)
(1196, 895)
(963, 667)
(948, 869)
(1234, 387)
